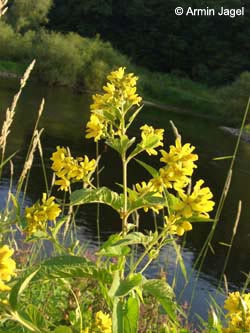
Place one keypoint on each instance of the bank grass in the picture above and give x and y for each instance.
(11, 67)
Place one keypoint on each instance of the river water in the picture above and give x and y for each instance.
(64, 120)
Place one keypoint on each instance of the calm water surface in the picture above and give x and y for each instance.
(64, 120)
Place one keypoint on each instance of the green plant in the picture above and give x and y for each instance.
(117, 271)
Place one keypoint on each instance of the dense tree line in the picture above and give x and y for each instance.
(213, 50)
(167, 50)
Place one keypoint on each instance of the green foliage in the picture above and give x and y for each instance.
(14, 46)
(29, 14)
(12, 67)
(212, 50)
(234, 97)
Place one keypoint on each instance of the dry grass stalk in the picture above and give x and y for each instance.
(10, 112)
(28, 163)
(3, 7)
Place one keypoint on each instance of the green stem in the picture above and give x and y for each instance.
(98, 205)
(143, 255)
(125, 193)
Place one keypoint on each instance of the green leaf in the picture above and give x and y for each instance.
(147, 201)
(117, 316)
(100, 195)
(133, 116)
(225, 244)
(7, 160)
(134, 238)
(72, 267)
(195, 219)
(164, 295)
(35, 316)
(180, 260)
(223, 158)
(129, 284)
(131, 315)
(120, 144)
(19, 288)
(172, 200)
(115, 284)
(153, 172)
(37, 235)
(58, 226)
(63, 329)
(125, 315)
(105, 114)
(112, 249)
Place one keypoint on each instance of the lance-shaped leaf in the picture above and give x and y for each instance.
(111, 248)
(134, 238)
(164, 295)
(100, 195)
(149, 143)
(120, 144)
(131, 315)
(71, 267)
(153, 172)
(129, 284)
(19, 288)
(147, 201)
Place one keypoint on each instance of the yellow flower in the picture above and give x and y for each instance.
(232, 302)
(49, 206)
(103, 322)
(38, 214)
(63, 183)
(7, 266)
(116, 75)
(238, 307)
(151, 138)
(173, 177)
(68, 169)
(120, 93)
(197, 203)
(86, 330)
(180, 159)
(175, 227)
(143, 189)
(58, 158)
(94, 128)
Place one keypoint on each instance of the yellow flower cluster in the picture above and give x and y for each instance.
(238, 307)
(7, 267)
(151, 138)
(197, 203)
(103, 324)
(69, 170)
(119, 96)
(142, 189)
(179, 165)
(177, 175)
(120, 92)
(176, 227)
(38, 214)
(95, 128)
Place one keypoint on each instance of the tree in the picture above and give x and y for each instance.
(29, 14)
